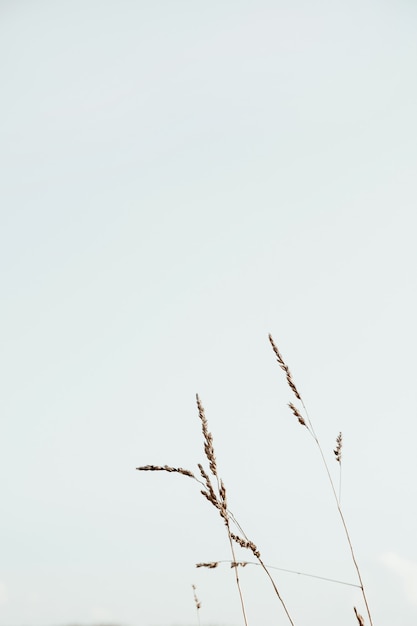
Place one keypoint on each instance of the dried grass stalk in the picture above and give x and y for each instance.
(338, 453)
(218, 500)
(217, 496)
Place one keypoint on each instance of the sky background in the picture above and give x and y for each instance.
(177, 180)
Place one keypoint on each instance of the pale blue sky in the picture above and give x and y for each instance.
(177, 180)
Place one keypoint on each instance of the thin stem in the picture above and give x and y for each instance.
(340, 514)
(281, 569)
(219, 500)
(262, 564)
(340, 483)
(232, 548)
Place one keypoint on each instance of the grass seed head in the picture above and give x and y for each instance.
(284, 367)
(165, 468)
(338, 449)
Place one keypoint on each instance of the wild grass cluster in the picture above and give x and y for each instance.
(213, 489)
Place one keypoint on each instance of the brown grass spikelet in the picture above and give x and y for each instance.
(284, 367)
(297, 414)
(223, 493)
(359, 617)
(207, 480)
(210, 498)
(208, 438)
(238, 563)
(197, 604)
(210, 495)
(196, 600)
(209, 565)
(165, 468)
(244, 543)
(338, 449)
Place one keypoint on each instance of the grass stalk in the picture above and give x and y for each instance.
(197, 604)
(217, 496)
(306, 421)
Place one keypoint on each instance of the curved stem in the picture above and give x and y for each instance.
(242, 603)
(340, 513)
(262, 564)
(264, 567)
